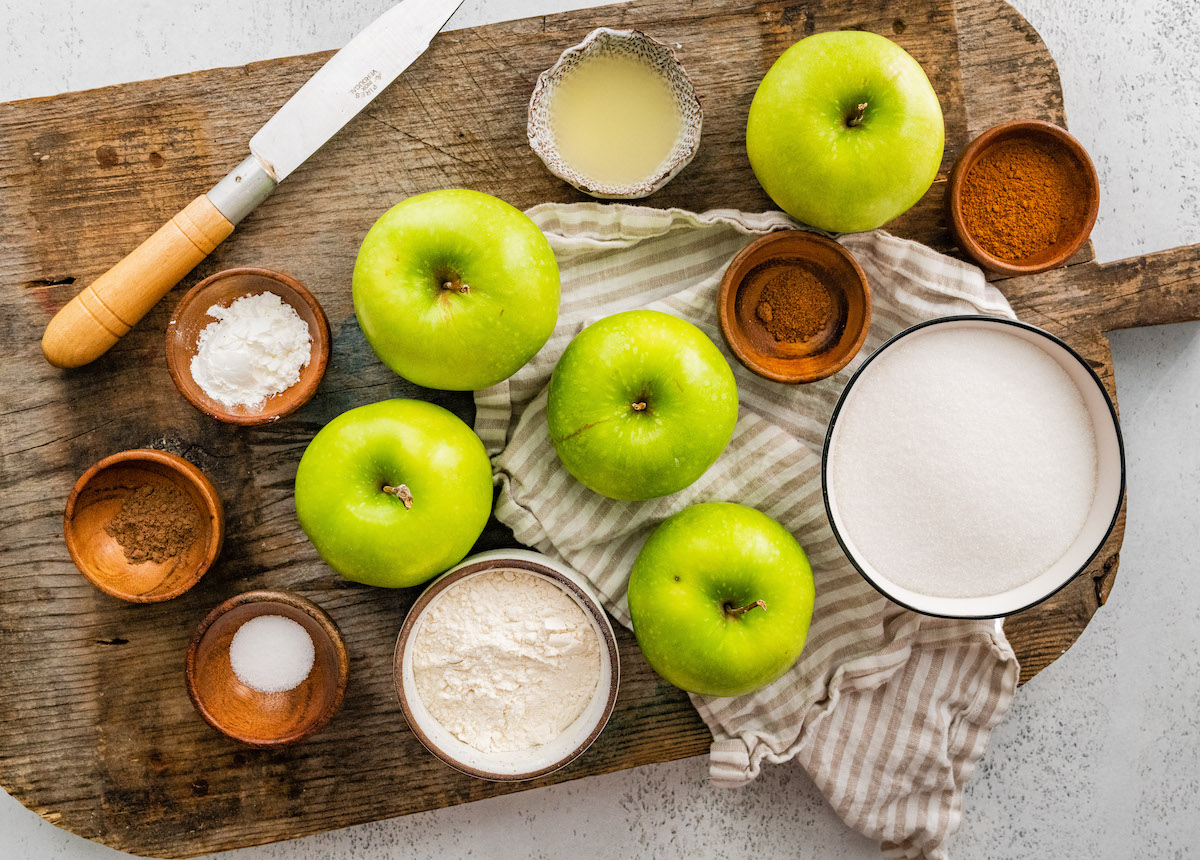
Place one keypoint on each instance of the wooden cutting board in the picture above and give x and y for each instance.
(96, 731)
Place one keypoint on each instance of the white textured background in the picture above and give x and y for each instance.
(1100, 756)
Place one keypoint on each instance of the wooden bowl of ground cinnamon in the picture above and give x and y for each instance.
(1022, 198)
(794, 307)
(143, 525)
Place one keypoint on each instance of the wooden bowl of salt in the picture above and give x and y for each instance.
(794, 307)
(143, 525)
(267, 668)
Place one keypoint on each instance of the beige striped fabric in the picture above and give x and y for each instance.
(887, 710)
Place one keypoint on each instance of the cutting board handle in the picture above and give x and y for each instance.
(112, 304)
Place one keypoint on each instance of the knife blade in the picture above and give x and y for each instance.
(92, 322)
(348, 82)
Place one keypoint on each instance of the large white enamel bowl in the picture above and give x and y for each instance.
(1110, 487)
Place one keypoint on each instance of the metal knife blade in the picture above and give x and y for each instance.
(348, 82)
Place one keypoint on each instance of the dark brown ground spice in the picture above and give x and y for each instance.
(794, 305)
(1018, 197)
(156, 523)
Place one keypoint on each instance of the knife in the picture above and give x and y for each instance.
(98, 317)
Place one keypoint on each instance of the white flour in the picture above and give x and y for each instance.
(505, 661)
(255, 349)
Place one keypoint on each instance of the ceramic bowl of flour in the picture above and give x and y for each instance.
(248, 346)
(507, 666)
(973, 467)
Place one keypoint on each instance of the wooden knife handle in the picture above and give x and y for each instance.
(100, 315)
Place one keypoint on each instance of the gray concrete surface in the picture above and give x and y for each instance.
(1100, 756)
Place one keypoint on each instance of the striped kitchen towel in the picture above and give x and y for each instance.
(887, 710)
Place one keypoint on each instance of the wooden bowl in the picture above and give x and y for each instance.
(97, 498)
(243, 713)
(522, 764)
(191, 317)
(784, 361)
(1080, 222)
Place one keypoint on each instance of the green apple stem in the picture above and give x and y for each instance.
(640, 406)
(856, 118)
(456, 286)
(401, 492)
(742, 610)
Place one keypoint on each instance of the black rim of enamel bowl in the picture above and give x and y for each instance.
(969, 318)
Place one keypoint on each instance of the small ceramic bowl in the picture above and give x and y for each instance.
(803, 361)
(1106, 506)
(223, 288)
(1079, 222)
(659, 56)
(525, 764)
(243, 713)
(98, 497)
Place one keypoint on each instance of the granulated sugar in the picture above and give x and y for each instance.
(964, 462)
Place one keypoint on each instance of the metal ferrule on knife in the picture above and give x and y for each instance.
(242, 189)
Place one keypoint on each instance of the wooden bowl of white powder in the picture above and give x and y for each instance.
(267, 668)
(973, 467)
(507, 667)
(248, 346)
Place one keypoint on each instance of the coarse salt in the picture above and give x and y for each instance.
(255, 349)
(964, 463)
(272, 654)
(505, 660)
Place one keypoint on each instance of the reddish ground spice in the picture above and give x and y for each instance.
(1018, 197)
(794, 305)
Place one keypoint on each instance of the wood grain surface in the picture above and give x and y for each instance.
(96, 730)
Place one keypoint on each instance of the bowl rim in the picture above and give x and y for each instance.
(545, 149)
(189, 472)
(737, 341)
(319, 355)
(971, 154)
(971, 318)
(283, 598)
(531, 562)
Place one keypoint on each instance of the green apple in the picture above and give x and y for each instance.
(394, 492)
(455, 289)
(845, 132)
(641, 403)
(721, 596)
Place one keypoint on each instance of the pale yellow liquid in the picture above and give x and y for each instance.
(614, 119)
